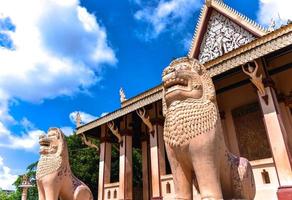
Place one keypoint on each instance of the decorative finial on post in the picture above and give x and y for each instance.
(122, 95)
(78, 119)
(25, 185)
(272, 25)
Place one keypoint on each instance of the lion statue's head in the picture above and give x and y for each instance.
(186, 78)
(52, 143)
(189, 103)
(53, 152)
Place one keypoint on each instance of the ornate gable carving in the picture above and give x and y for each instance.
(222, 35)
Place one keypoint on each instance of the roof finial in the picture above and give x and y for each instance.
(78, 119)
(272, 25)
(122, 95)
(208, 3)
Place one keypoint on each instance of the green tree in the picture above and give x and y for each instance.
(84, 162)
(12, 196)
(32, 192)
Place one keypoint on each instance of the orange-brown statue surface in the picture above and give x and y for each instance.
(194, 139)
(54, 177)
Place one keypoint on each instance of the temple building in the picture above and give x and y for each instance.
(251, 68)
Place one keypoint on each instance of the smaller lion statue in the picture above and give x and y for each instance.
(54, 177)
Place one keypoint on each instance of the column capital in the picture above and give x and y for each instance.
(115, 131)
(145, 118)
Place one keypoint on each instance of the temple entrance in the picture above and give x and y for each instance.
(251, 134)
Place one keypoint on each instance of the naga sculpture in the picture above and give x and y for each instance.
(194, 138)
(54, 177)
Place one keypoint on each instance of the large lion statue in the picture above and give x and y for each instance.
(194, 138)
(54, 177)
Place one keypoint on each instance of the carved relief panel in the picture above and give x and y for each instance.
(222, 35)
(251, 134)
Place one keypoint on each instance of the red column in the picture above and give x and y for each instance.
(276, 135)
(126, 169)
(145, 170)
(155, 156)
(104, 163)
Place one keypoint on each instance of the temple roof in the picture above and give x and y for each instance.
(221, 29)
(262, 46)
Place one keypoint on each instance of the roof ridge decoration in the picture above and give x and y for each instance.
(229, 13)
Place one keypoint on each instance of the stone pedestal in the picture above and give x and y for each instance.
(104, 163)
(24, 193)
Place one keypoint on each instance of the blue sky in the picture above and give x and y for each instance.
(57, 58)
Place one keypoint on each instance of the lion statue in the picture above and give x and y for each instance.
(194, 138)
(54, 177)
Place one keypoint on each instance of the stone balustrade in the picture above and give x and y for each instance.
(266, 180)
(111, 191)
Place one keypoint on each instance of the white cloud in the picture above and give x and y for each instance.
(26, 124)
(27, 141)
(187, 41)
(67, 130)
(278, 10)
(167, 15)
(85, 117)
(6, 177)
(57, 49)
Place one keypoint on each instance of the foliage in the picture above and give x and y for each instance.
(84, 162)
(115, 163)
(32, 192)
(137, 167)
(12, 196)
